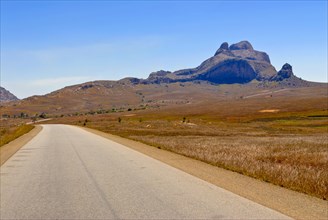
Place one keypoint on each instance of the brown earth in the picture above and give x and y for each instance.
(118, 96)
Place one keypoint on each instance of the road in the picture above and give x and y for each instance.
(68, 173)
(42, 120)
(265, 93)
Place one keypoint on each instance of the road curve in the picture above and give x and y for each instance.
(68, 173)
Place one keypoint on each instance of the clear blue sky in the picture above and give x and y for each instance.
(46, 45)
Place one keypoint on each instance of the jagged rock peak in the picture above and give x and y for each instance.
(287, 66)
(242, 45)
(6, 96)
(224, 46)
(285, 72)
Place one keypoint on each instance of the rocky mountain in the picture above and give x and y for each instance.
(6, 96)
(235, 72)
(239, 63)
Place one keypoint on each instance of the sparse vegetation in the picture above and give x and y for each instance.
(298, 163)
(11, 133)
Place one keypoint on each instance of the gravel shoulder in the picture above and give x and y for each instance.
(11, 148)
(288, 202)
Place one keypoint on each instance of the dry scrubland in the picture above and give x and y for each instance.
(12, 129)
(287, 149)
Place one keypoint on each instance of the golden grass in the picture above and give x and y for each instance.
(296, 162)
(9, 134)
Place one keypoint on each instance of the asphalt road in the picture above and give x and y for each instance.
(68, 173)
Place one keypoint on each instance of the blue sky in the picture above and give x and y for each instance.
(46, 45)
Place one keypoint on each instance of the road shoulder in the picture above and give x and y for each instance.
(6, 151)
(291, 203)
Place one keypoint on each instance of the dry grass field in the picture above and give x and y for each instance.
(11, 132)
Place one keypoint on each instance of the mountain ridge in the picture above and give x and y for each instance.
(6, 96)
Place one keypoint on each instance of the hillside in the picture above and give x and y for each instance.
(6, 96)
(110, 96)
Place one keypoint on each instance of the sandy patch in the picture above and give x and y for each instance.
(269, 110)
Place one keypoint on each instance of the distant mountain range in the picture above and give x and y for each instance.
(6, 96)
(234, 72)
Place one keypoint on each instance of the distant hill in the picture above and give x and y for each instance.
(6, 96)
(116, 96)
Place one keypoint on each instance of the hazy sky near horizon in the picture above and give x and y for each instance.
(46, 45)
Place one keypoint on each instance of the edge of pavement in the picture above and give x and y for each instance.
(294, 204)
(7, 150)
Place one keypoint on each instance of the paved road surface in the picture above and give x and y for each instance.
(68, 173)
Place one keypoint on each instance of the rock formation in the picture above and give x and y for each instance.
(239, 63)
(6, 96)
(285, 72)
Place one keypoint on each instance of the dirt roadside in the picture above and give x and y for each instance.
(6, 151)
(291, 203)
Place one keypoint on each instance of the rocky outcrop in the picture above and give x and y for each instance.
(6, 96)
(285, 72)
(238, 63)
(160, 77)
(131, 80)
(230, 71)
(242, 45)
(223, 48)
